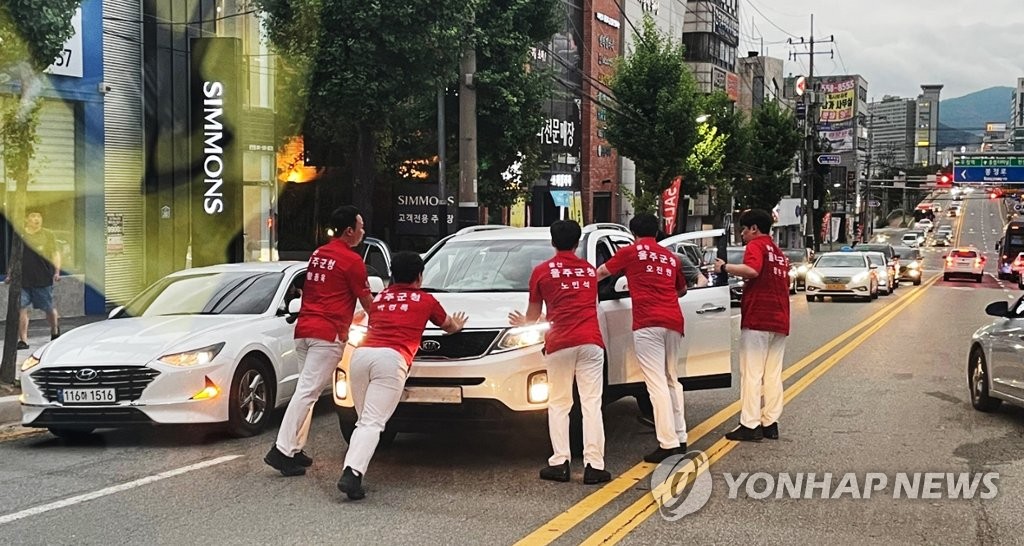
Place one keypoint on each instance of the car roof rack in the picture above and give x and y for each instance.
(605, 225)
(483, 227)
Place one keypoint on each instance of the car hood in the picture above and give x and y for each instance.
(484, 309)
(839, 271)
(135, 340)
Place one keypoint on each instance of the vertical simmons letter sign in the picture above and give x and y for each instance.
(216, 188)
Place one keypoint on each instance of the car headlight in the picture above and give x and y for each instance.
(914, 265)
(522, 336)
(29, 363)
(813, 276)
(537, 389)
(340, 384)
(861, 277)
(356, 334)
(197, 357)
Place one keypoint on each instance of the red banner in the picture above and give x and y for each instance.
(670, 204)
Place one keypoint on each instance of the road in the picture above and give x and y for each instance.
(874, 387)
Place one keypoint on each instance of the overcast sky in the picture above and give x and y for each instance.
(897, 45)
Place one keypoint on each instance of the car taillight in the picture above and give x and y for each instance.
(978, 261)
(949, 261)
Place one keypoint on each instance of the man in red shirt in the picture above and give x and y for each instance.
(380, 365)
(335, 280)
(655, 280)
(573, 347)
(764, 327)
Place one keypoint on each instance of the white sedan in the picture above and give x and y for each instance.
(842, 274)
(205, 345)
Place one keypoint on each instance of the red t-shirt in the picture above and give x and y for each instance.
(567, 285)
(654, 279)
(399, 315)
(765, 302)
(335, 279)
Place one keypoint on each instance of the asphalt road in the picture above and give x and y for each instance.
(890, 396)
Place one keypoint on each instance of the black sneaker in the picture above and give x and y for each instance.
(661, 453)
(771, 431)
(22, 345)
(557, 473)
(744, 434)
(351, 484)
(592, 475)
(55, 334)
(302, 459)
(284, 464)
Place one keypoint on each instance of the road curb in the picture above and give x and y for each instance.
(10, 410)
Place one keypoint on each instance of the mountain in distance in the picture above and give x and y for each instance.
(972, 111)
(952, 137)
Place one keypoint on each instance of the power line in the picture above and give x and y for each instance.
(770, 22)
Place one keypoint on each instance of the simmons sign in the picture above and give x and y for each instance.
(216, 173)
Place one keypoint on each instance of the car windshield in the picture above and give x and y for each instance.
(909, 236)
(796, 256)
(235, 293)
(839, 260)
(502, 265)
(876, 259)
(907, 253)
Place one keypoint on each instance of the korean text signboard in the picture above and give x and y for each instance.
(417, 209)
(838, 100)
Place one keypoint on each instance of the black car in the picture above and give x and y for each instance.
(910, 264)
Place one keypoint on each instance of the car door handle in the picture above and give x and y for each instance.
(718, 309)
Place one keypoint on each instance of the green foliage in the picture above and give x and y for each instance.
(510, 95)
(705, 161)
(775, 141)
(654, 122)
(33, 31)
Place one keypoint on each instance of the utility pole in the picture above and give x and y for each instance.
(442, 189)
(808, 185)
(469, 210)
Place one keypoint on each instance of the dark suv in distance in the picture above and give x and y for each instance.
(892, 258)
(910, 264)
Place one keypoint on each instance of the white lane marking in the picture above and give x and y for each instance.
(114, 489)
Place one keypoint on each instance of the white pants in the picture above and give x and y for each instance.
(760, 374)
(586, 364)
(657, 351)
(377, 377)
(318, 359)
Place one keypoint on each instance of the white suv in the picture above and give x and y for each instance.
(491, 372)
(964, 262)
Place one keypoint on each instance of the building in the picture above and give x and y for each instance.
(891, 126)
(1016, 125)
(761, 80)
(927, 127)
(68, 170)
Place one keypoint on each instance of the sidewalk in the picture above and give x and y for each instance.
(38, 335)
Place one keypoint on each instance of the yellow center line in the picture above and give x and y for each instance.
(624, 523)
(562, 523)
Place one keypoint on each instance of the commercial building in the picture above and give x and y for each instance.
(761, 81)
(927, 128)
(891, 126)
(1016, 125)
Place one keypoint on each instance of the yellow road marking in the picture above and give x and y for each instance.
(622, 524)
(562, 523)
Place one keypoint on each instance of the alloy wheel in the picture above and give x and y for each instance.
(252, 397)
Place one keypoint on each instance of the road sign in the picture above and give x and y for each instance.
(988, 174)
(830, 159)
(874, 203)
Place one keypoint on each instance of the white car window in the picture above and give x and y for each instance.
(837, 260)
(485, 266)
(243, 293)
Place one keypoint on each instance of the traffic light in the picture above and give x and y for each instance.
(945, 180)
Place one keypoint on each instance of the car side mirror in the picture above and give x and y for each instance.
(114, 312)
(294, 306)
(376, 285)
(998, 309)
(621, 286)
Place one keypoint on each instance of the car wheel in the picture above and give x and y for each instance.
(977, 374)
(945, 277)
(72, 434)
(810, 298)
(251, 399)
(792, 287)
(917, 282)
(387, 438)
(979, 278)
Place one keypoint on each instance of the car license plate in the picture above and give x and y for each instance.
(835, 287)
(88, 396)
(432, 395)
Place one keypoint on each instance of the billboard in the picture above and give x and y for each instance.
(216, 164)
(838, 100)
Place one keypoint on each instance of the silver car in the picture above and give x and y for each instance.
(994, 370)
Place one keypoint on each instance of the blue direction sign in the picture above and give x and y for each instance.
(830, 159)
(988, 174)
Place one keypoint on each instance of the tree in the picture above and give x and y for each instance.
(510, 95)
(364, 62)
(731, 122)
(32, 32)
(775, 140)
(654, 122)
